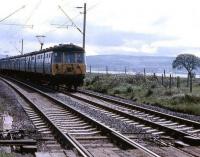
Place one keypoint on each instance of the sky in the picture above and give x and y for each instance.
(129, 27)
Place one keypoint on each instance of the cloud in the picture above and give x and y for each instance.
(126, 27)
(160, 21)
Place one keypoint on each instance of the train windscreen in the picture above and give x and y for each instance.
(73, 57)
(57, 57)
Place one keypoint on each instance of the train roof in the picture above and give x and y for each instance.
(60, 47)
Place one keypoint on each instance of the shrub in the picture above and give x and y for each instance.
(116, 91)
(132, 96)
(192, 98)
(129, 89)
(153, 86)
(95, 79)
(87, 82)
(148, 93)
(168, 93)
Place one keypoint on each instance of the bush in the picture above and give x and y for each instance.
(116, 91)
(132, 96)
(129, 89)
(95, 79)
(192, 98)
(168, 93)
(87, 82)
(153, 86)
(148, 93)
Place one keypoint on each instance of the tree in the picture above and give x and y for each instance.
(189, 62)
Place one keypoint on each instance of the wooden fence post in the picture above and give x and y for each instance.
(164, 73)
(144, 75)
(106, 69)
(178, 82)
(170, 81)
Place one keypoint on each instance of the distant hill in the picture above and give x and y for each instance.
(132, 63)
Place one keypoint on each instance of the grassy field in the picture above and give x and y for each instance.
(149, 90)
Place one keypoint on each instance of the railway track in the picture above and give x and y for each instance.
(184, 131)
(73, 129)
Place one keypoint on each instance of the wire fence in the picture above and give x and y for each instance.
(133, 71)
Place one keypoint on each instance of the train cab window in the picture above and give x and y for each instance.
(79, 58)
(69, 57)
(57, 57)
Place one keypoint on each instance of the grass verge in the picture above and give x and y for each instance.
(149, 90)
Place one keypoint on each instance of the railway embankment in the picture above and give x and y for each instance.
(159, 93)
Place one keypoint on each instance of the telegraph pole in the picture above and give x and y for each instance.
(84, 25)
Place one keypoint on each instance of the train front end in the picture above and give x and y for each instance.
(68, 66)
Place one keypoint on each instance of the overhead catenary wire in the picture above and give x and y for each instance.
(65, 25)
(70, 19)
(33, 11)
(12, 44)
(31, 14)
(25, 24)
(15, 24)
(5, 18)
(12, 13)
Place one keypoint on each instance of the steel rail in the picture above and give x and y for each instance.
(143, 109)
(66, 137)
(125, 140)
(187, 138)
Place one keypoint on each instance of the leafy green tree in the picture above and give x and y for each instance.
(189, 62)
